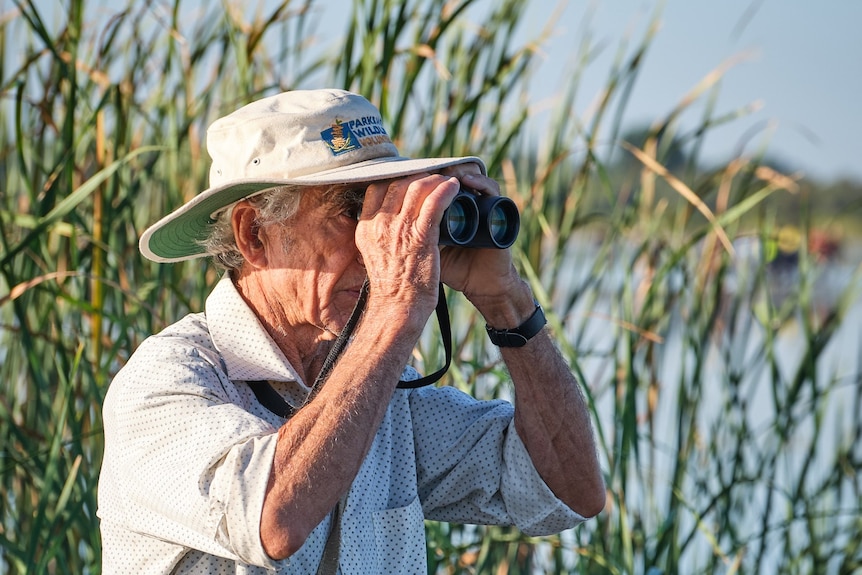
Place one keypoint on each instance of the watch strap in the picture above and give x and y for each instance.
(518, 336)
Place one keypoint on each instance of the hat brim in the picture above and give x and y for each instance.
(177, 236)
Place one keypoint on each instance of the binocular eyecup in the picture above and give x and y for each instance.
(477, 221)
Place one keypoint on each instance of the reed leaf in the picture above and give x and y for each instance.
(726, 407)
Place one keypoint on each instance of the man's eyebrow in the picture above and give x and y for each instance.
(341, 189)
(344, 196)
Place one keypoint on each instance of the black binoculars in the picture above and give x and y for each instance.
(476, 221)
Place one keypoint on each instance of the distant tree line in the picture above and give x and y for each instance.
(834, 206)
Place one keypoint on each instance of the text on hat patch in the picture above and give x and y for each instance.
(342, 137)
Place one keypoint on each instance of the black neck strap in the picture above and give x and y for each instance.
(442, 311)
(272, 400)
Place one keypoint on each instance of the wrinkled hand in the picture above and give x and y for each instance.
(397, 236)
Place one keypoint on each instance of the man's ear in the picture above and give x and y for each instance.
(247, 233)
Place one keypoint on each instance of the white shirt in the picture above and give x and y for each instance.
(188, 450)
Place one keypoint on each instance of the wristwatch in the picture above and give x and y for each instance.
(518, 336)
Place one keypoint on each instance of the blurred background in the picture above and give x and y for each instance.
(797, 61)
(690, 199)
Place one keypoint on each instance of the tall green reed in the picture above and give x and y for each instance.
(711, 436)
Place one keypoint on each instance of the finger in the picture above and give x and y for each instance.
(480, 183)
(459, 170)
(433, 193)
(471, 176)
(375, 196)
(400, 196)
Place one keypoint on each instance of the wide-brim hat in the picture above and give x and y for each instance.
(301, 137)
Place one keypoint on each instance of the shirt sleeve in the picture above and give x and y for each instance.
(473, 468)
(186, 462)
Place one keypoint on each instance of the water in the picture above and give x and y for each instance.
(744, 402)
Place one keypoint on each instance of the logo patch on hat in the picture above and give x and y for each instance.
(340, 138)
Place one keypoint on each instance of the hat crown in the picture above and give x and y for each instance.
(296, 134)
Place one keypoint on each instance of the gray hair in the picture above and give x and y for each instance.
(274, 206)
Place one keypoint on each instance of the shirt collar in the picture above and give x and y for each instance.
(248, 351)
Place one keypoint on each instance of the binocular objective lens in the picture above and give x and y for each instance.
(457, 221)
(498, 223)
(476, 221)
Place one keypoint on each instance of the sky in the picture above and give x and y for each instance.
(800, 60)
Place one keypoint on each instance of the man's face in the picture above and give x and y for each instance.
(314, 268)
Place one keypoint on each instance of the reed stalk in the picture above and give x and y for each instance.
(727, 412)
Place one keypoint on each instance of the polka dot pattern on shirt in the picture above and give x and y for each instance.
(188, 452)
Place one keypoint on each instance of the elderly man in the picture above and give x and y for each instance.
(237, 442)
